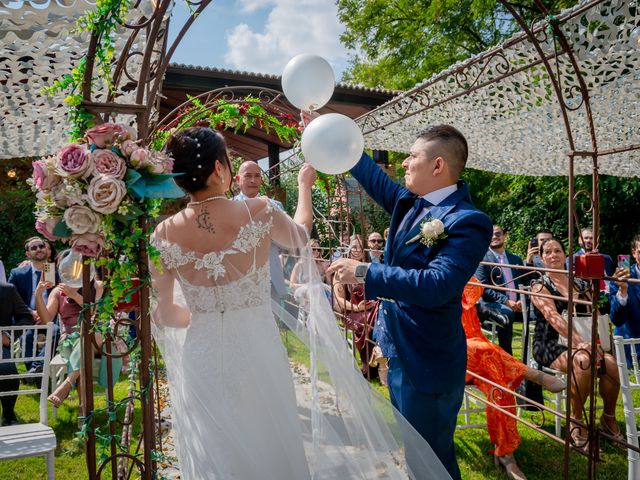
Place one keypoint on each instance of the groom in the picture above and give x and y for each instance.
(421, 281)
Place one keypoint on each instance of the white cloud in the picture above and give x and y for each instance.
(292, 27)
(249, 6)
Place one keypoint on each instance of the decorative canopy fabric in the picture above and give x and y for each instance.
(37, 48)
(504, 103)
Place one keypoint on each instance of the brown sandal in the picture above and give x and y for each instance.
(61, 393)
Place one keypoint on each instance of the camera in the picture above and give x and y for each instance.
(533, 242)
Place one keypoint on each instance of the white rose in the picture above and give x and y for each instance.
(438, 226)
(81, 220)
(428, 230)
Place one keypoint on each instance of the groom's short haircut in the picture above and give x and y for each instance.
(450, 144)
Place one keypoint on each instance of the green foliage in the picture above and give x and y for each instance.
(403, 42)
(16, 224)
(524, 205)
(102, 21)
(238, 116)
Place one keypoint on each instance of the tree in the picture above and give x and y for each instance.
(403, 42)
(406, 41)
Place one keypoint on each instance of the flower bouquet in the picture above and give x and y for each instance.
(91, 185)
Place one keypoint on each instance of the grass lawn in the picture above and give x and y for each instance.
(70, 463)
(539, 457)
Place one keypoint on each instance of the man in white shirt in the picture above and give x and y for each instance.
(249, 180)
(505, 304)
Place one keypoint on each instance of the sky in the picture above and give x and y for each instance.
(260, 36)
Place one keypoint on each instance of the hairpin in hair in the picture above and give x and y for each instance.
(199, 166)
(197, 155)
(194, 178)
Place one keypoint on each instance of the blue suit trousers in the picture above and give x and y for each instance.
(433, 415)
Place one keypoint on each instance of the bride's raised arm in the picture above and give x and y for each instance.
(295, 234)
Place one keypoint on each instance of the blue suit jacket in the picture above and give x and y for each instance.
(493, 276)
(419, 319)
(22, 278)
(626, 318)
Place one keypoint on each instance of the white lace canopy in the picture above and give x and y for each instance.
(514, 125)
(36, 49)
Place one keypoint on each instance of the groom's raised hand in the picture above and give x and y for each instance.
(344, 270)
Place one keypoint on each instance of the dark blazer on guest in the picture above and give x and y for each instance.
(626, 318)
(494, 276)
(13, 310)
(22, 278)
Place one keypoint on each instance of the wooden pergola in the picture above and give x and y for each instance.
(182, 80)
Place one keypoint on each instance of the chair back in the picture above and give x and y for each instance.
(629, 381)
(17, 355)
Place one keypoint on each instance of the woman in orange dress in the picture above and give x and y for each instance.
(489, 361)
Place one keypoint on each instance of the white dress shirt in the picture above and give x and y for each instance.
(435, 198)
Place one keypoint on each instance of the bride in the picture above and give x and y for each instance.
(236, 412)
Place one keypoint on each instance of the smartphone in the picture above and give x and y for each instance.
(624, 261)
(533, 242)
(49, 273)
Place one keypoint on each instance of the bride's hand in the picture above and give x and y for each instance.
(306, 117)
(307, 176)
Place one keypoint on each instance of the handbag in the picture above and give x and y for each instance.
(582, 325)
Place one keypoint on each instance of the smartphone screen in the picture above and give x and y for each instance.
(49, 272)
(624, 261)
(534, 242)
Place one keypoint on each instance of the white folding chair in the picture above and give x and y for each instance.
(629, 381)
(32, 439)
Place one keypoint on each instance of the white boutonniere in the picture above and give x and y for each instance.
(431, 232)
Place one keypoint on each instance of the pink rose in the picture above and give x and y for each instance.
(89, 244)
(44, 176)
(160, 163)
(106, 134)
(81, 220)
(139, 158)
(128, 147)
(105, 193)
(73, 160)
(107, 162)
(46, 226)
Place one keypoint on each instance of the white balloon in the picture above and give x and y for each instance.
(308, 81)
(332, 143)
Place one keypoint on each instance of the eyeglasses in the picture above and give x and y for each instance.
(376, 240)
(497, 234)
(317, 249)
(40, 246)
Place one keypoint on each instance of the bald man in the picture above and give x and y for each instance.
(249, 179)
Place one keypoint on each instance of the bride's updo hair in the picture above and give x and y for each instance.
(195, 151)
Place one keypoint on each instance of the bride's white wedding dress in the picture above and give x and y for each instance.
(235, 413)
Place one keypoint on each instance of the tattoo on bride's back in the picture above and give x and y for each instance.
(204, 221)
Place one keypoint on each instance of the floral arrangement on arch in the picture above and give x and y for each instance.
(235, 115)
(97, 182)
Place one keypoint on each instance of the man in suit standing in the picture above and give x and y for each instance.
(249, 179)
(505, 304)
(13, 311)
(421, 281)
(26, 279)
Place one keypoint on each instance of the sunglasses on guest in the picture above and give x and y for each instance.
(39, 246)
(376, 240)
(498, 234)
